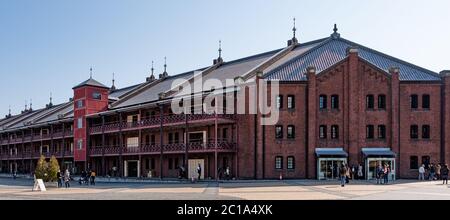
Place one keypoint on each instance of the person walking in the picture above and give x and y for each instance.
(360, 172)
(438, 171)
(444, 173)
(58, 176)
(93, 174)
(379, 173)
(422, 172)
(67, 178)
(227, 173)
(199, 171)
(432, 172)
(343, 174)
(387, 170)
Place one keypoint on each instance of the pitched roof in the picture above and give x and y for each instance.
(334, 50)
(91, 82)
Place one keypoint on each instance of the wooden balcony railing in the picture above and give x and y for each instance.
(197, 147)
(156, 121)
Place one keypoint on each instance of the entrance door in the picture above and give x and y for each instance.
(328, 168)
(193, 164)
(372, 163)
(132, 169)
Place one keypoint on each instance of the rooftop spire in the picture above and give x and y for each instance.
(31, 105)
(294, 29)
(90, 73)
(294, 40)
(9, 112)
(152, 76)
(164, 74)
(153, 69)
(113, 87)
(220, 49)
(50, 104)
(335, 33)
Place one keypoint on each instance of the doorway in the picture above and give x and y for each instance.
(372, 163)
(192, 169)
(328, 168)
(132, 168)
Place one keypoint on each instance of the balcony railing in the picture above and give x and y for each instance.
(34, 155)
(197, 147)
(28, 138)
(156, 121)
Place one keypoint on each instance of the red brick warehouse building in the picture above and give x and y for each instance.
(339, 102)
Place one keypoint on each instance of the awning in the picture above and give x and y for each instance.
(378, 152)
(331, 152)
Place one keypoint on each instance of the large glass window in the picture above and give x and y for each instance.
(291, 101)
(290, 132)
(426, 101)
(80, 123)
(381, 131)
(425, 131)
(414, 162)
(279, 101)
(370, 102)
(370, 132)
(381, 102)
(414, 131)
(278, 162)
(290, 163)
(334, 132)
(278, 131)
(322, 102)
(322, 131)
(414, 100)
(334, 102)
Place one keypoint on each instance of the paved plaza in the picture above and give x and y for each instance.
(239, 190)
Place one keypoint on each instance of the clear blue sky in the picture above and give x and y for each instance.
(49, 45)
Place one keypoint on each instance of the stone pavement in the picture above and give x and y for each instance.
(231, 190)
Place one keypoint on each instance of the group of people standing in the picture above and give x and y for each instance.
(382, 173)
(87, 177)
(434, 172)
(63, 177)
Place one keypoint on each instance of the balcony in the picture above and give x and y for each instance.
(168, 120)
(37, 137)
(196, 147)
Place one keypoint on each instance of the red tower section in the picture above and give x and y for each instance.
(89, 97)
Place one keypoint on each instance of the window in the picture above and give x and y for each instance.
(426, 101)
(414, 162)
(323, 132)
(322, 102)
(147, 163)
(290, 163)
(133, 142)
(426, 161)
(225, 133)
(152, 140)
(414, 99)
(176, 165)
(414, 131)
(152, 163)
(425, 131)
(291, 132)
(291, 102)
(80, 123)
(170, 138)
(381, 131)
(381, 102)
(334, 102)
(279, 101)
(170, 164)
(278, 131)
(278, 163)
(334, 132)
(369, 132)
(370, 102)
(176, 138)
(147, 139)
(80, 144)
(80, 104)
(97, 96)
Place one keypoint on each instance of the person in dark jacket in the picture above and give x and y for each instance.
(444, 174)
(343, 174)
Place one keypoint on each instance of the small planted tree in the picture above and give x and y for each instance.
(53, 169)
(41, 169)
